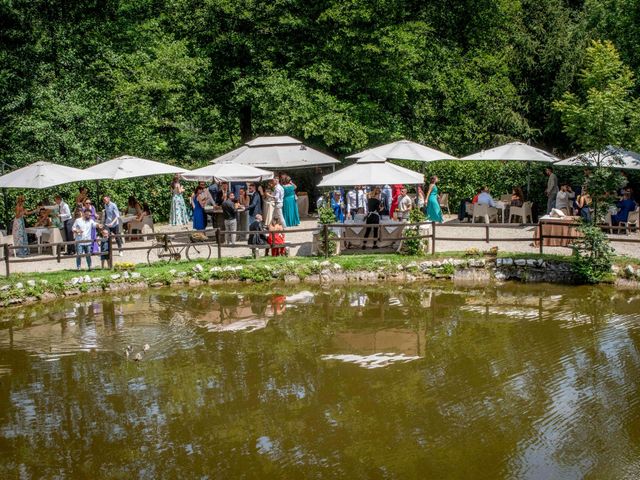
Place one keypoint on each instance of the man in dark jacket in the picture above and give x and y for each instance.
(255, 204)
(260, 237)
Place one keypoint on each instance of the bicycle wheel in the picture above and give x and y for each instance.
(159, 253)
(199, 251)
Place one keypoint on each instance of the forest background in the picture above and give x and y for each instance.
(183, 81)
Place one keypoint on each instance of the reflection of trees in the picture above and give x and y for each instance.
(264, 405)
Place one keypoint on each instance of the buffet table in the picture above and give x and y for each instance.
(553, 226)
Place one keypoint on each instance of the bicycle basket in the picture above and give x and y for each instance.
(198, 237)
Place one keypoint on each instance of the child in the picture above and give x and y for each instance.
(276, 237)
(104, 247)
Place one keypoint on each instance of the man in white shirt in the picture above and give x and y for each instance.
(405, 204)
(563, 199)
(552, 189)
(82, 230)
(64, 214)
(278, 200)
(356, 202)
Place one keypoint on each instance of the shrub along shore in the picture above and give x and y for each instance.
(457, 266)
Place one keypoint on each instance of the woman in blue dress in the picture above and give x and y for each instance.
(433, 205)
(336, 205)
(197, 203)
(289, 204)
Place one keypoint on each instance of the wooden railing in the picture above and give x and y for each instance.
(216, 237)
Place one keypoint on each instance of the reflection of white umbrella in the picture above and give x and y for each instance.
(515, 151)
(277, 153)
(372, 170)
(612, 157)
(131, 167)
(45, 175)
(228, 172)
(405, 150)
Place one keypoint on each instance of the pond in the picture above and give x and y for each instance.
(413, 381)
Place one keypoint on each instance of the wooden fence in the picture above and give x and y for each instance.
(215, 237)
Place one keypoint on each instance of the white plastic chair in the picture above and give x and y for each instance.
(443, 201)
(632, 219)
(523, 212)
(485, 212)
(143, 226)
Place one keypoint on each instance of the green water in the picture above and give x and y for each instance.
(516, 382)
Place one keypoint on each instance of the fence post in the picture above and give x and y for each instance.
(110, 257)
(58, 248)
(433, 238)
(325, 240)
(218, 244)
(486, 233)
(540, 236)
(5, 247)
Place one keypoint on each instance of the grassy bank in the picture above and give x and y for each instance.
(34, 286)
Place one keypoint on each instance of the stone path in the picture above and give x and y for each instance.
(49, 263)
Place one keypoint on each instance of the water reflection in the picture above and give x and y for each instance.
(268, 382)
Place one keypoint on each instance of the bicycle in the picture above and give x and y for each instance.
(162, 249)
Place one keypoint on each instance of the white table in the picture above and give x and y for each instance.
(45, 235)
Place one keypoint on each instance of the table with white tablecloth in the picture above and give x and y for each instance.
(46, 235)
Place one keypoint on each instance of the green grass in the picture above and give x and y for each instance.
(257, 270)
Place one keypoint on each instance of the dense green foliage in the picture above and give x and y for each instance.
(185, 80)
(593, 255)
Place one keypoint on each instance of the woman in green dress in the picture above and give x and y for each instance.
(433, 205)
(289, 204)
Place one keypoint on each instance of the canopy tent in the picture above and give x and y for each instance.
(228, 172)
(277, 153)
(514, 151)
(611, 157)
(131, 167)
(44, 175)
(405, 150)
(372, 169)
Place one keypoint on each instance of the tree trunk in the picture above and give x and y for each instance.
(246, 130)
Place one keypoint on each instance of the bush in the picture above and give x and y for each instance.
(327, 217)
(593, 255)
(411, 245)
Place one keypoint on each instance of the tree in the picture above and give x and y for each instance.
(602, 113)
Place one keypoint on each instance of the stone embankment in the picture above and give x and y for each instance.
(466, 271)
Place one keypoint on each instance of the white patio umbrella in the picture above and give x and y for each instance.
(228, 172)
(611, 157)
(277, 153)
(131, 167)
(405, 150)
(44, 175)
(514, 151)
(372, 170)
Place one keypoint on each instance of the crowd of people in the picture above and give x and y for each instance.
(77, 224)
(241, 206)
(232, 200)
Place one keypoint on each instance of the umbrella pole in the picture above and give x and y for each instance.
(528, 178)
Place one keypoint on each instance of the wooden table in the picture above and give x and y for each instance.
(555, 227)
